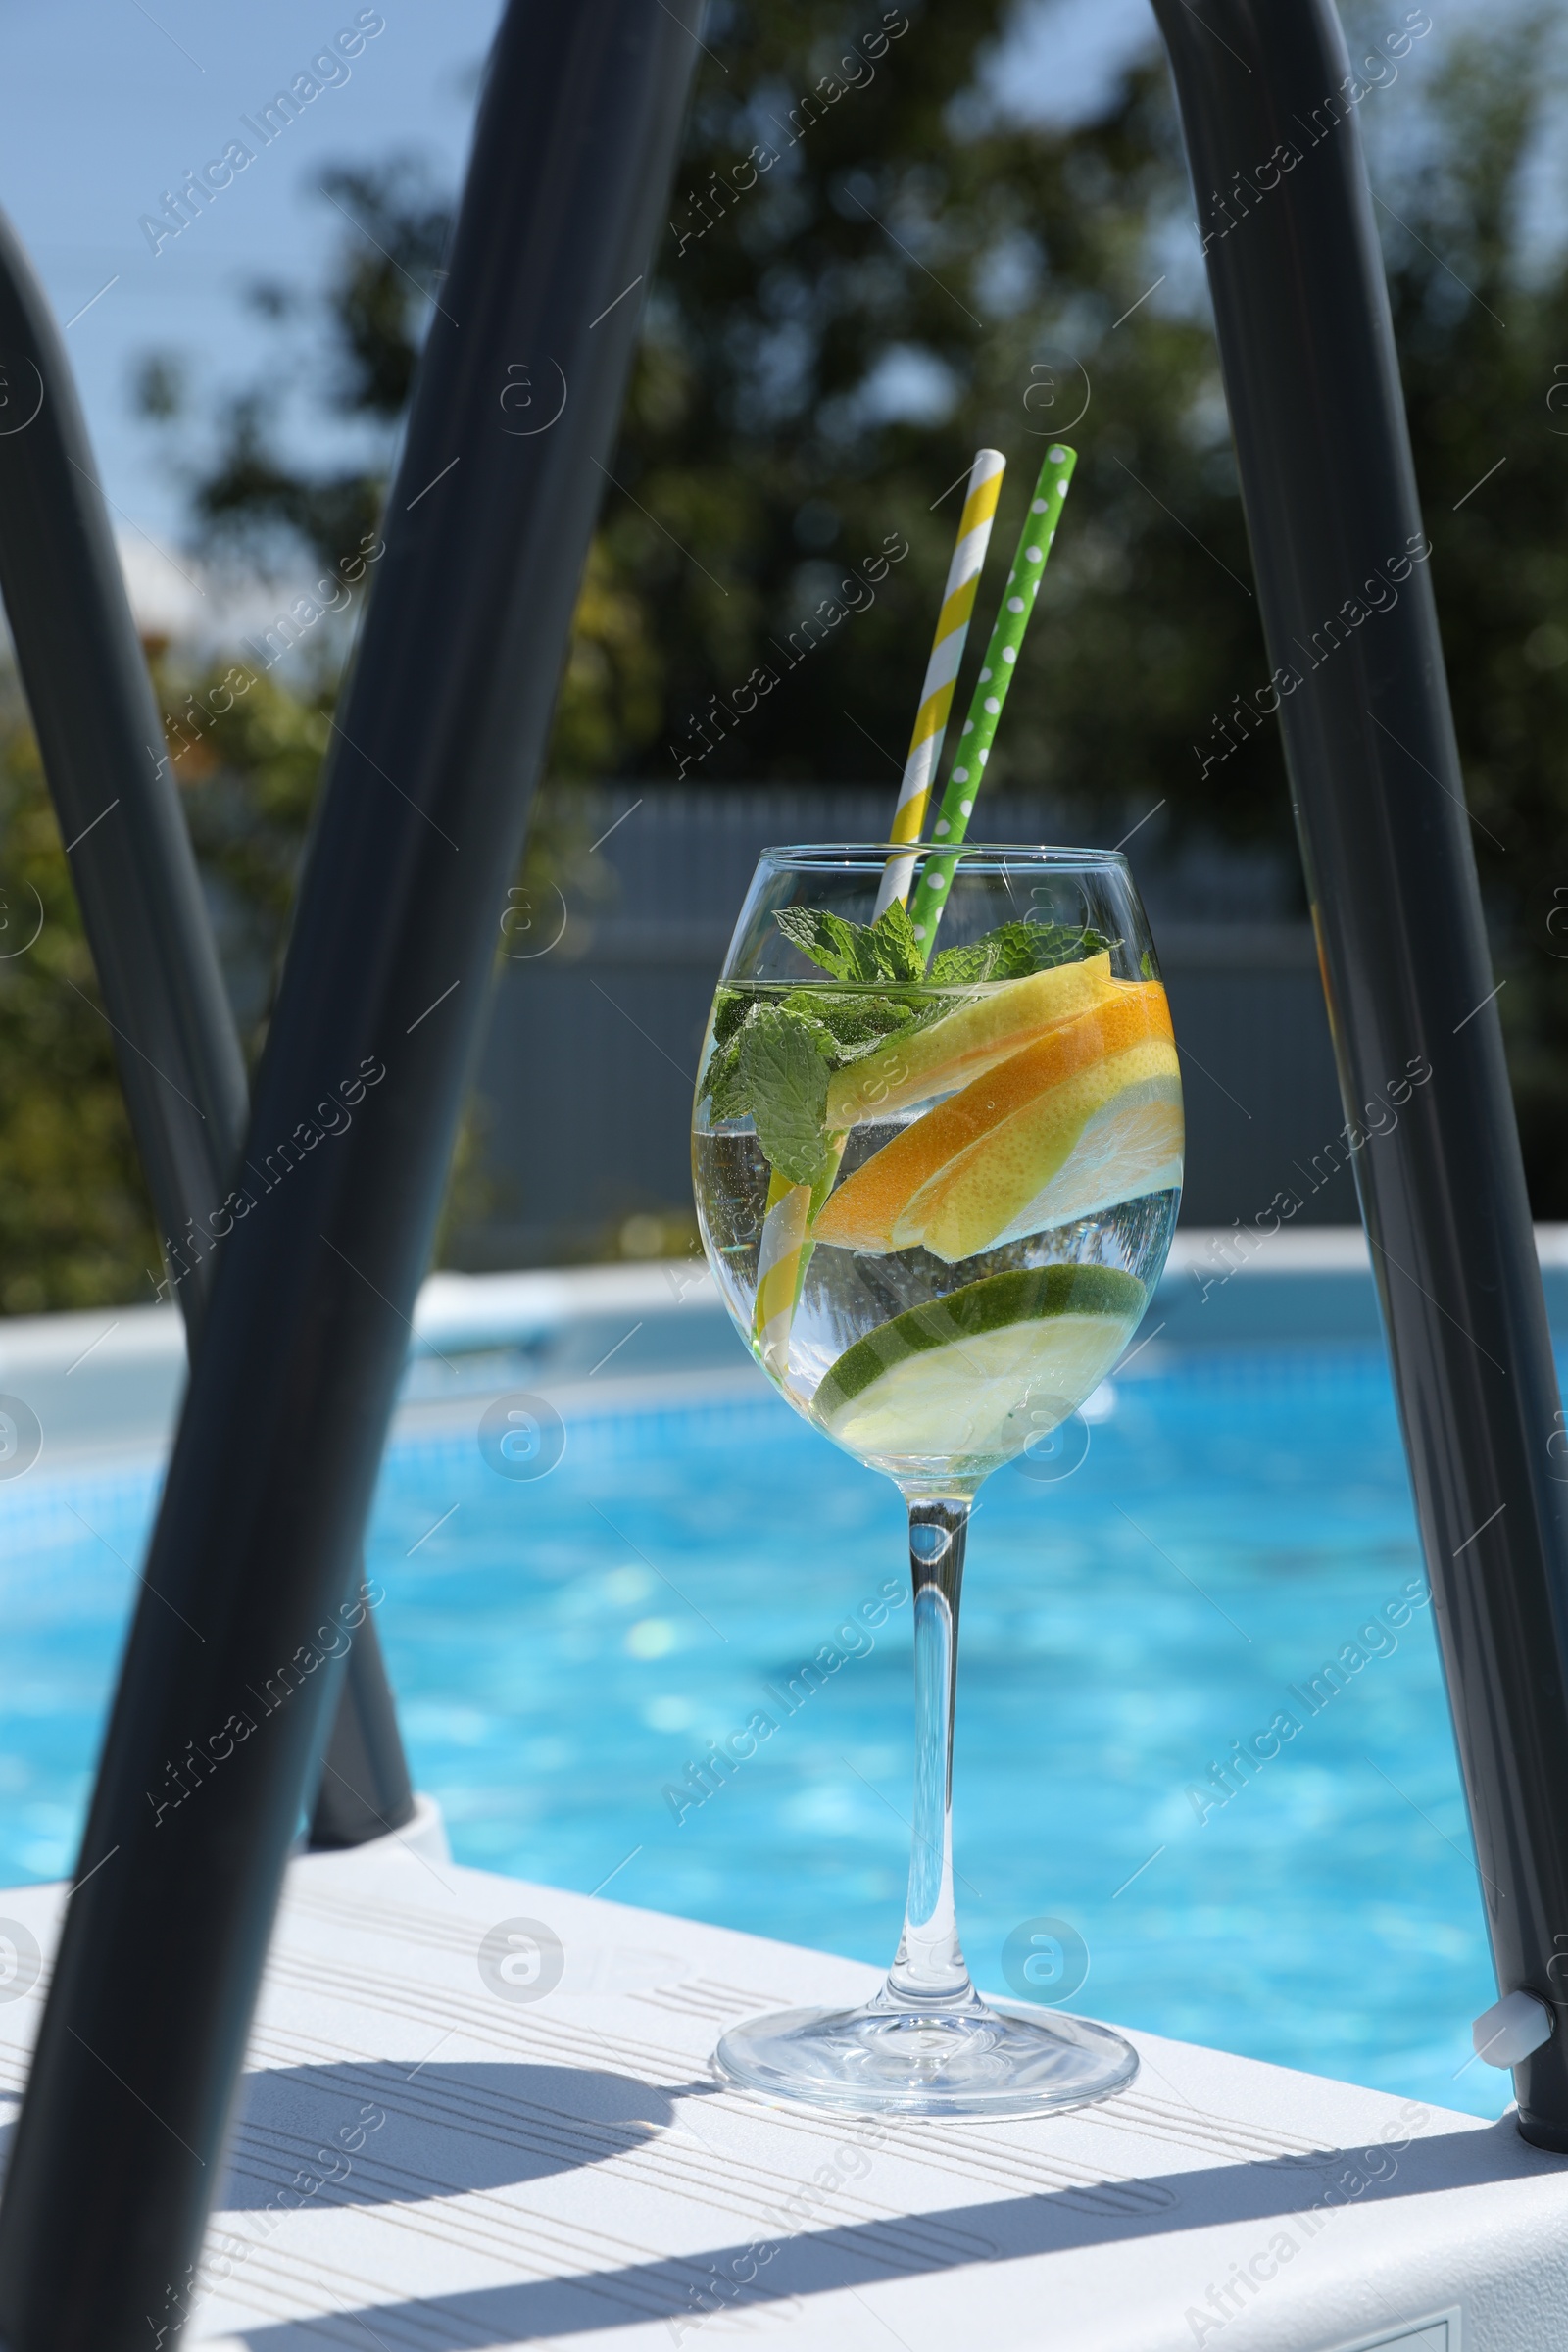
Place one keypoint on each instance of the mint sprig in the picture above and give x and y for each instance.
(771, 1061)
(886, 950)
(1015, 950)
(730, 1008)
(783, 1074)
(857, 1024)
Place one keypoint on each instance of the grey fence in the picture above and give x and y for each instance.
(584, 1088)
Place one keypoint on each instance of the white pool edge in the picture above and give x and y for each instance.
(109, 1380)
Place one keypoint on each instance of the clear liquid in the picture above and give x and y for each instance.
(963, 1408)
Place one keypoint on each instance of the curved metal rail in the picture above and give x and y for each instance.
(101, 742)
(1268, 100)
(443, 726)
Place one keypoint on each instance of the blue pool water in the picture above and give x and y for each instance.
(563, 1649)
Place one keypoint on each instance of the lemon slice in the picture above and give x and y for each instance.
(959, 1175)
(1134, 1144)
(1001, 1017)
(1094, 1139)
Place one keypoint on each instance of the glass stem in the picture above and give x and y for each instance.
(929, 1970)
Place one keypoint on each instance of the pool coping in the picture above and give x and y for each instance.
(564, 2163)
(612, 1338)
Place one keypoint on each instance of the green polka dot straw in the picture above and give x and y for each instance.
(991, 687)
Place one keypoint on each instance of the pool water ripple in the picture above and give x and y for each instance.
(565, 1650)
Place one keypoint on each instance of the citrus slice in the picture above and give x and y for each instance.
(979, 1373)
(1131, 1147)
(1007, 1134)
(989, 1188)
(987, 1029)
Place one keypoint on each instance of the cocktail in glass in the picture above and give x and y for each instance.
(937, 1182)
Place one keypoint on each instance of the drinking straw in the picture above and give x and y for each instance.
(779, 1270)
(942, 670)
(991, 687)
(784, 1251)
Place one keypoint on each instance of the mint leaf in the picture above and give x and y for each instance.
(842, 1023)
(784, 1075)
(1013, 950)
(886, 950)
(899, 945)
(726, 1095)
(827, 939)
(727, 1086)
(730, 1009)
(858, 1024)
(981, 959)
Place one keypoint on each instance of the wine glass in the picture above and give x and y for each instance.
(937, 1178)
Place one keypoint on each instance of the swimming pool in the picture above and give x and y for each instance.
(565, 1650)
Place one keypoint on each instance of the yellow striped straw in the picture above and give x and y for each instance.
(784, 1250)
(942, 670)
(780, 1271)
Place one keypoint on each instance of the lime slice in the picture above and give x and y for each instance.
(974, 1376)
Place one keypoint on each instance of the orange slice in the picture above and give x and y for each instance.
(997, 1022)
(1020, 1120)
(1105, 1135)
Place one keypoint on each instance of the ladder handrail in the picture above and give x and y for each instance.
(176, 1048)
(1267, 99)
(437, 745)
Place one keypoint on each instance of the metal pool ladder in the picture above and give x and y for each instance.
(434, 755)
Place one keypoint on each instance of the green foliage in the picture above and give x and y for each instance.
(1483, 363)
(257, 508)
(75, 1225)
(886, 950)
(820, 224)
(1015, 950)
(782, 1076)
(375, 311)
(759, 435)
(889, 949)
(857, 1024)
(755, 1068)
(246, 751)
(771, 1061)
(896, 232)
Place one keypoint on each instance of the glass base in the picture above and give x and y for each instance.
(890, 2059)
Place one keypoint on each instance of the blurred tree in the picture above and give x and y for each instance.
(376, 305)
(253, 506)
(75, 1225)
(863, 276)
(908, 279)
(867, 273)
(1483, 334)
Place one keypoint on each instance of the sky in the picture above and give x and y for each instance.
(106, 104)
